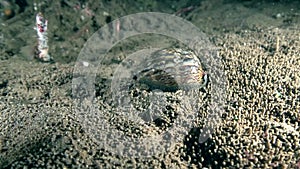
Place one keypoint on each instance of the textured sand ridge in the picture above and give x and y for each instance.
(260, 126)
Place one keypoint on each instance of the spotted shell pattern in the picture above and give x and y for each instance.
(171, 69)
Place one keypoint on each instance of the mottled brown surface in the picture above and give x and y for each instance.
(259, 46)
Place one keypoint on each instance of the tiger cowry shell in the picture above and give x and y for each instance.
(172, 69)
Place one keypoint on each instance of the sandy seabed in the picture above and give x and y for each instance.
(258, 43)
